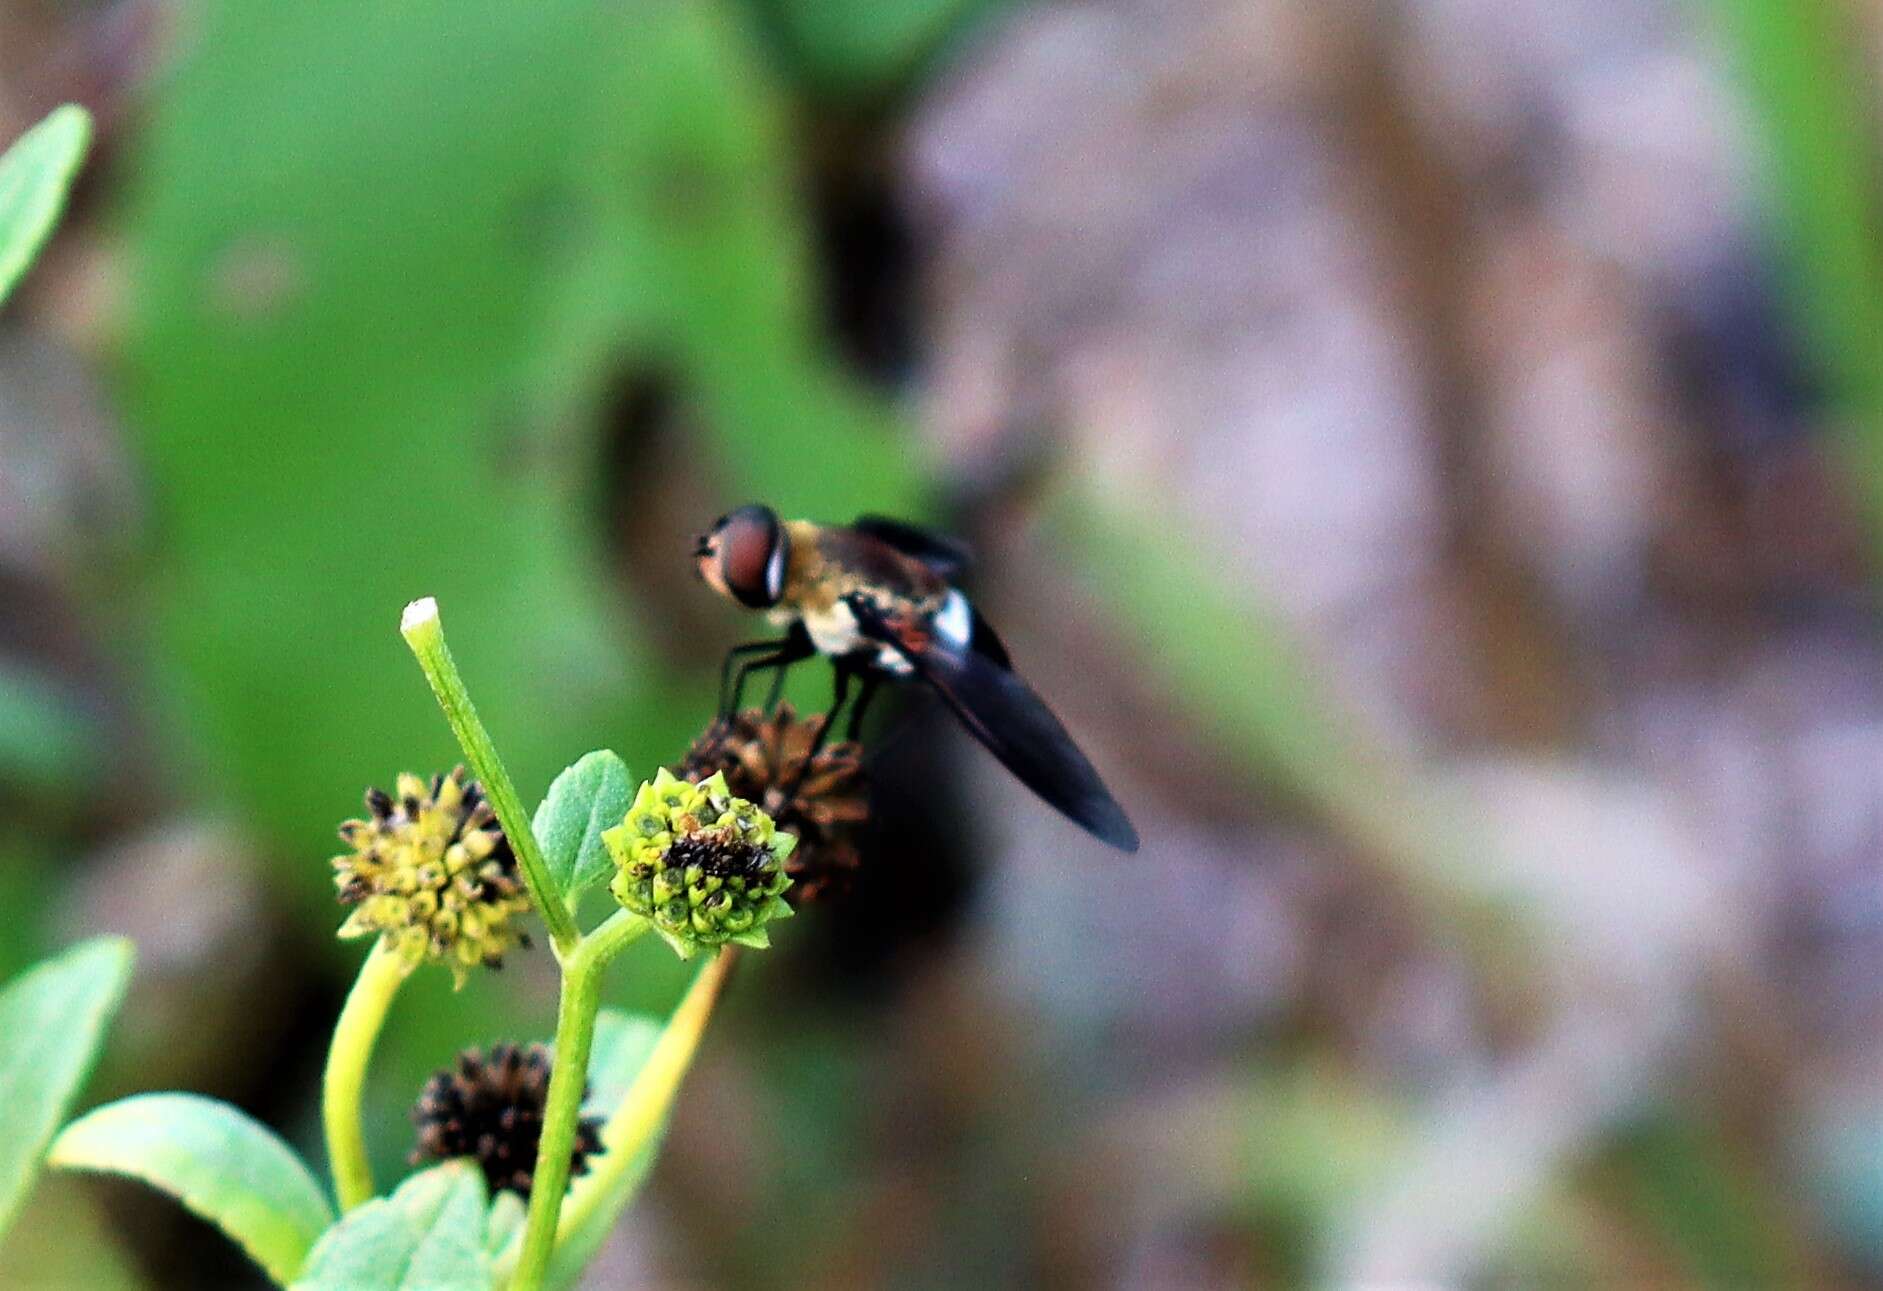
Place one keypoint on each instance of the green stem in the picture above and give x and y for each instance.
(575, 1032)
(644, 1107)
(635, 1121)
(424, 633)
(353, 1037)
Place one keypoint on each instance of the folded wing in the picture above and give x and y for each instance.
(1014, 723)
(947, 557)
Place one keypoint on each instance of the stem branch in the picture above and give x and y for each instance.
(425, 634)
(353, 1038)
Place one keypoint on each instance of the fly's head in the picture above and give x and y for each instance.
(745, 555)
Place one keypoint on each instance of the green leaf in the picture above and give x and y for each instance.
(219, 1162)
(504, 1222)
(52, 1019)
(586, 799)
(621, 1046)
(427, 1236)
(397, 298)
(35, 174)
(452, 1252)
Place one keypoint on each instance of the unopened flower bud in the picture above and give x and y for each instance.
(703, 866)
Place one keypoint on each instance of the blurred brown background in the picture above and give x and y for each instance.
(1431, 453)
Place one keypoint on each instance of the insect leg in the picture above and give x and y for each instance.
(872, 682)
(842, 674)
(795, 648)
(725, 668)
(839, 694)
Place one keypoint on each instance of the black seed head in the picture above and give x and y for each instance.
(491, 1110)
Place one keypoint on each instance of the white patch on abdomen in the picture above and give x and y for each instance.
(834, 632)
(954, 623)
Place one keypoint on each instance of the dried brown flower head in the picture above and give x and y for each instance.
(820, 798)
(491, 1110)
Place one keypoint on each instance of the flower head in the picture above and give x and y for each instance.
(818, 797)
(703, 866)
(431, 871)
(492, 1111)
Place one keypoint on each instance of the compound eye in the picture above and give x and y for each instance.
(753, 551)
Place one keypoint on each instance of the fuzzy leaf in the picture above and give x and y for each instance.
(53, 1020)
(586, 800)
(427, 1236)
(505, 1221)
(620, 1049)
(216, 1160)
(35, 174)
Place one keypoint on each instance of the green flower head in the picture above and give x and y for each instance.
(702, 866)
(432, 872)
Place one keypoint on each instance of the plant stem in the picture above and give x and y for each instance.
(649, 1098)
(353, 1037)
(575, 1033)
(425, 634)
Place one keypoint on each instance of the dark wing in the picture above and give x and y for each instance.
(946, 557)
(1016, 726)
(981, 639)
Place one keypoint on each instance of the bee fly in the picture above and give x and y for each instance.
(877, 599)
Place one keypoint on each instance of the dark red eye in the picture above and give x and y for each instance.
(752, 556)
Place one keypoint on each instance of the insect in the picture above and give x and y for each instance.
(877, 598)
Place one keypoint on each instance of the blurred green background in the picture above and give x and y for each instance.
(1431, 453)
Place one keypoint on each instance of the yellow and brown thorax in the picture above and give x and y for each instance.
(831, 565)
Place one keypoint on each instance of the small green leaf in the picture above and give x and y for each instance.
(216, 1160)
(505, 1221)
(35, 174)
(53, 1020)
(452, 1253)
(586, 800)
(369, 1247)
(620, 1049)
(427, 1236)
